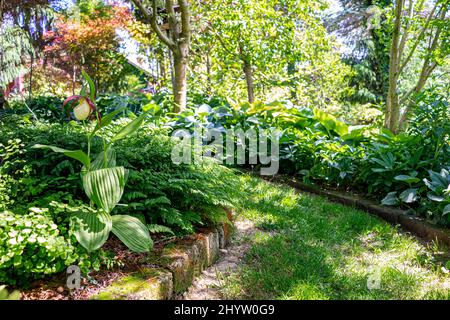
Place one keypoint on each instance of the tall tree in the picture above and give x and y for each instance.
(176, 19)
(15, 43)
(364, 27)
(280, 44)
(88, 41)
(419, 32)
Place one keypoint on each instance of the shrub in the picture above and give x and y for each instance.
(176, 196)
(31, 246)
(42, 107)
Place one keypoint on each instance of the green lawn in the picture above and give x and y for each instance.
(309, 248)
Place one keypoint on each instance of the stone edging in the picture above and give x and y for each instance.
(173, 270)
(416, 225)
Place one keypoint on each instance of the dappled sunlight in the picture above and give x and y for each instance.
(322, 250)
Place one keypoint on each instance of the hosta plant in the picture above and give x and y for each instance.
(103, 180)
(439, 186)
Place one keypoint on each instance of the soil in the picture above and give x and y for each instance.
(55, 288)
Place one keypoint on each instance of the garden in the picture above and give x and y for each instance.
(263, 150)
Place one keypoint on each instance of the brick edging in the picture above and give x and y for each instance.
(178, 266)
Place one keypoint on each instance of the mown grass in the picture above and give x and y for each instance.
(309, 248)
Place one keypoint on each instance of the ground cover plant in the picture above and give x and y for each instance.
(165, 197)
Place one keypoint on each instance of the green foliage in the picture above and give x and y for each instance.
(31, 246)
(322, 149)
(168, 198)
(14, 44)
(5, 295)
(132, 232)
(284, 43)
(44, 107)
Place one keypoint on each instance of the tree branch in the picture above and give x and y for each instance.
(406, 31)
(185, 19)
(419, 38)
(151, 17)
(172, 20)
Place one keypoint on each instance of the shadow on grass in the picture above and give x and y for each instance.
(309, 248)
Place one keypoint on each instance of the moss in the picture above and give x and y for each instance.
(147, 284)
(181, 263)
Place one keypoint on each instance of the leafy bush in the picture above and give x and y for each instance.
(41, 107)
(31, 246)
(191, 189)
(322, 149)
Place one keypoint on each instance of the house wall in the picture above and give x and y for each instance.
(17, 86)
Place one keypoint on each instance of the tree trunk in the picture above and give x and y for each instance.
(208, 74)
(292, 71)
(392, 116)
(2, 99)
(249, 79)
(30, 90)
(180, 83)
(393, 108)
(74, 78)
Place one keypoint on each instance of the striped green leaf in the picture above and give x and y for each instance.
(132, 232)
(75, 154)
(91, 229)
(105, 186)
(104, 160)
(130, 128)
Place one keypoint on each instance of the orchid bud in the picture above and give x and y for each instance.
(83, 110)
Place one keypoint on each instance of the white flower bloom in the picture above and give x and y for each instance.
(83, 110)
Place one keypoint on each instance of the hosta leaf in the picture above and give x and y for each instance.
(104, 161)
(446, 210)
(434, 197)
(330, 122)
(409, 195)
(132, 232)
(130, 128)
(91, 229)
(407, 179)
(76, 154)
(106, 120)
(390, 199)
(105, 186)
(438, 179)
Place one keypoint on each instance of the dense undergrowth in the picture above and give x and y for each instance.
(40, 190)
(409, 170)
